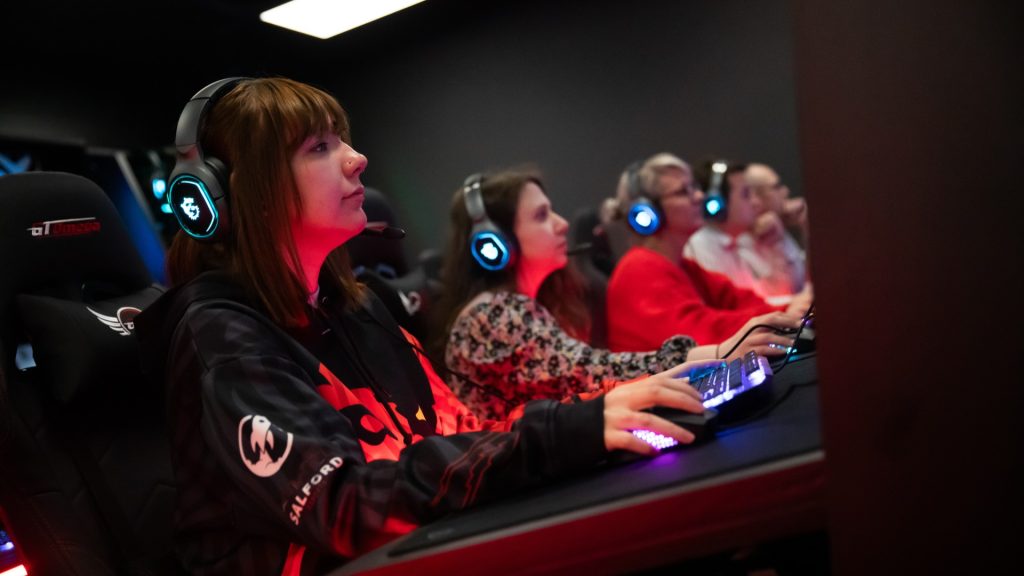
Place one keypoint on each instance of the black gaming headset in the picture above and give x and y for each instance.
(716, 203)
(491, 248)
(198, 190)
(644, 214)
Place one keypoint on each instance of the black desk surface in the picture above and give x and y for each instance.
(760, 480)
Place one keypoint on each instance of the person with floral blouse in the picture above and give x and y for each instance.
(519, 333)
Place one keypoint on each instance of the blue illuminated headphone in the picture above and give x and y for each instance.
(198, 190)
(716, 203)
(644, 214)
(490, 247)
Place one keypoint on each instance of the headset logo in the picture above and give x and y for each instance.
(263, 446)
(67, 227)
(123, 323)
(189, 206)
(490, 251)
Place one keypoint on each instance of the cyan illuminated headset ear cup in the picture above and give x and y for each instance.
(491, 249)
(197, 197)
(644, 217)
(715, 206)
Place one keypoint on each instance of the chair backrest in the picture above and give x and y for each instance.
(410, 299)
(595, 265)
(85, 478)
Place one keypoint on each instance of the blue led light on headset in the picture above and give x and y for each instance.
(643, 218)
(488, 251)
(713, 206)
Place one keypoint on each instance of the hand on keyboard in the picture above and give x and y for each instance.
(728, 391)
(774, 338)
(625, 410)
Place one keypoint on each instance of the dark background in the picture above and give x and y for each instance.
(436, 92)
(900, 121)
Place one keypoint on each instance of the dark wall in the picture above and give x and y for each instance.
(579, 88)
(440, 90)
(909, 129)
(116, 73)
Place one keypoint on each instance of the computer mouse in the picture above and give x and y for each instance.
(701, 425)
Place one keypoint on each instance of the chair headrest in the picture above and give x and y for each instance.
(409, 298)
(61, 237)
(60, 231)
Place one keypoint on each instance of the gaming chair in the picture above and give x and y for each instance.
(595, 265)
(85, 476)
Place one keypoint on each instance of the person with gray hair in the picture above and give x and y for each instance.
(654, 292)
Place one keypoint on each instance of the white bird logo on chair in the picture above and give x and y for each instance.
(124, 321)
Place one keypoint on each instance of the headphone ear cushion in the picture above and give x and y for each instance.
(218, 176)
(644, 216)
(219, 171)
(716, 207)
(513, 247)
(491, 248)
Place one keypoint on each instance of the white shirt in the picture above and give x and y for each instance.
(736, 257)
(774, 271)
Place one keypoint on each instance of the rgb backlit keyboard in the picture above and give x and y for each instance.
(722, 383)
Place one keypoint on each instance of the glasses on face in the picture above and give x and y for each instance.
(689, 190)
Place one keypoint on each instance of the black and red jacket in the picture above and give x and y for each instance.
(294, 450)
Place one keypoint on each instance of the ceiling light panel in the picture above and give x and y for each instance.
(326, 18)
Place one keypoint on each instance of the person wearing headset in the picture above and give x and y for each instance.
(655, 292)
(725, 243)
(515, 322)
(306, 426)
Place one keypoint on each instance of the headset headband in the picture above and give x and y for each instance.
(633, 187)
(474, 199)
(186, 138)
(718, 170)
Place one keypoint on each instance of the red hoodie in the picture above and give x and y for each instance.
(650, 299)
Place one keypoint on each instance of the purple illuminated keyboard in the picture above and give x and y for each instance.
(727, 381)
(729, 392)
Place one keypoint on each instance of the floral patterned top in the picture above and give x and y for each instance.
(512, 350)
